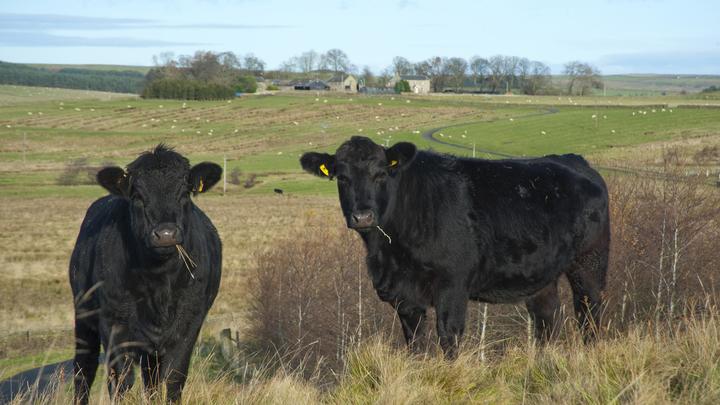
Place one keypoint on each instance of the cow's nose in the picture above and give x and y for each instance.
(166, 234)
(363, 219)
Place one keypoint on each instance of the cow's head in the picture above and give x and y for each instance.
(158, 185)
(366, 175)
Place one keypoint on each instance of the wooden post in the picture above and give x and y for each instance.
(224, 174)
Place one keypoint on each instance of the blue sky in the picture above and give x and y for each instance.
(618, 36)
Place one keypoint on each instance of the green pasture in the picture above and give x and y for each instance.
(263, 136)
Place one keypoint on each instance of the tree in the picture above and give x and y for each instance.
(479, 67)
(246, 84)
(229, 60)
(402, 66)
(434, 69)
(307, 61)
(335, 60)
(253, 64)
(402, 86)
(455, 68)
(384, 77)
(582, 77)
(496, 66)
(368, 77)
(534, 77)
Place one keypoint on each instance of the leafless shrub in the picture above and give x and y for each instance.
(235, 176)
(250, 181)
(77, 172)
(664, 247)
(311, 296)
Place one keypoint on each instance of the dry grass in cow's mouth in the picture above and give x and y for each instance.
(187, 260)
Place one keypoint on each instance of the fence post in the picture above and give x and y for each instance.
(224, 174)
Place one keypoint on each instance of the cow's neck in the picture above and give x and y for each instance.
(413, 212)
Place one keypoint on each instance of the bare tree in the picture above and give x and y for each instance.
(204, 65)
(335, 60)
(480, 68)
(533, 76)
(308, 61)
(368, 77)
(402, 66)
(164, 59)
(582, 77)
(434, 69)
(456, 69)
(496, 65)
(253, 64)
(384, 77)
(288, 66)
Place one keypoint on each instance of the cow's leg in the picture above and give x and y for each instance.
(150, 371)
(120, 355)
(175, 363)
(87, 349)
(450, 307)
(412, 319)
(587, 280)
(544, 308)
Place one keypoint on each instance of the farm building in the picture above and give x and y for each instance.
(418, 84)
(312, 85)
(343, 82)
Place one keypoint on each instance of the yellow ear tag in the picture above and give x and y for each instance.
(324, 169)
(393, 163)
(200, 187)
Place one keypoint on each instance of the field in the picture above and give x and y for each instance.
(47, 135)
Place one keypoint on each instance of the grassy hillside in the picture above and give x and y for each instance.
(72, 78)
(650, 84)
(116, 68)
(49, 134)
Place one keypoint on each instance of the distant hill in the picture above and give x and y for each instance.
(75, 77)
(650, 84)
(116, 68)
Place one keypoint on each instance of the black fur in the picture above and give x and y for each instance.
(493, 231)
(135, 298)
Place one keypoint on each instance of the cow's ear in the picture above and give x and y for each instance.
(203, 176)
(319, 164)
(400, 155)
(115, 180)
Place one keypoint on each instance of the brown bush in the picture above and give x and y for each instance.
(312, 300)
(77, 172)
(664, 246)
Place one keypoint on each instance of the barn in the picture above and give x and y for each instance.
(418, 84)
(343, 82)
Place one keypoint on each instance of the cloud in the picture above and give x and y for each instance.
(42, 39)
(50, 22)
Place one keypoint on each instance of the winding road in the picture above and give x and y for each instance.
(429, 135)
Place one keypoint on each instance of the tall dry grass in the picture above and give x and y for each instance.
(635, 367)
(317, 333)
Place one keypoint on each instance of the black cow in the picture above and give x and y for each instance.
(440, 230)
(134, 293)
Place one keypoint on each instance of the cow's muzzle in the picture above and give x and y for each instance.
(362, 219)
(165, 235)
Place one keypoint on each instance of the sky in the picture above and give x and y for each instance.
(617, 36)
